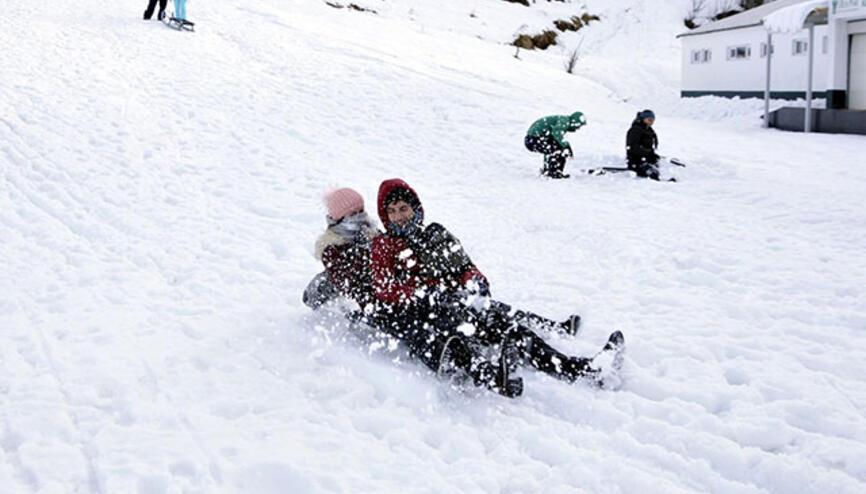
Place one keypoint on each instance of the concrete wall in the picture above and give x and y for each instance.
(829, 121)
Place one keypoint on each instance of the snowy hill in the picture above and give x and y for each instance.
(161, 193)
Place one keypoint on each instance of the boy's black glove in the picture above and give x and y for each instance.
(439, 253)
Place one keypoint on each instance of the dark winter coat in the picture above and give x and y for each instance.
(347, 264)
(419, 279)
(640, 144)
(431, 259)
(556, 126)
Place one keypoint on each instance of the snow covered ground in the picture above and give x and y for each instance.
(160, 197)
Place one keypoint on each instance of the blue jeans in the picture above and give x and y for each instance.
(180, 9)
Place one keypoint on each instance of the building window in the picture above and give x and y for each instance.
(701, 56)
(743, 52)
(825, 45)
(801, 47)
(764, 50)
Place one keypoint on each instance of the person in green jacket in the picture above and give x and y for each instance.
(547, 136)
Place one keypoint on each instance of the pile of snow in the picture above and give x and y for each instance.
(791, 19)
(161, 194)
(632, 51)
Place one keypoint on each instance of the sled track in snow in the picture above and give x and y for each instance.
(160, 197)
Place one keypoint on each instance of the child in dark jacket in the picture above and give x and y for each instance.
(427, 282)
(547, 136)
(344, 250)
(344, 247)
(641, 142)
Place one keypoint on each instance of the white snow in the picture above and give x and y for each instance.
(791, 19)
(161, 195)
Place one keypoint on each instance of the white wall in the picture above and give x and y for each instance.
(837, 69)
(857, 76)
(788, 71)
(841, 27)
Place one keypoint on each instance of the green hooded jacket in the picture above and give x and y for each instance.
(557, 126)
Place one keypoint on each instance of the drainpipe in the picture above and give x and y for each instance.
(808, 125)
(767, 86)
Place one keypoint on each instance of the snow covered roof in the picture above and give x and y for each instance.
(749, 18)
(791, 19)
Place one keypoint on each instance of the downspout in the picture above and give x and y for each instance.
(807, 127)
(767, 86)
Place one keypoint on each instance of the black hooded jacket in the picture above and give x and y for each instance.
(641, 143)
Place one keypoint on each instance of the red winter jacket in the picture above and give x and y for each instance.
(434, 258)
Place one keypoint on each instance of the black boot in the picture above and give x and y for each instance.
(457, 354)
(616, 341)
(608, 362)
(554, 173)
(509, 360)
(571, 326)
(497, 378)
(647, 170)
(554, 163)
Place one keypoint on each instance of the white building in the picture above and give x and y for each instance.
(846, 87)
(728, 57)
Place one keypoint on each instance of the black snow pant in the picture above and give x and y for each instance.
(421, 327)
(426, 341)
(530, 319)
(321, 291)
(151, 5)
(438, 344)
(555, 154)
(645, 168)
(429, 329)
(499, 325)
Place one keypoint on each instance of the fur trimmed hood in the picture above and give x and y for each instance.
(332, 238)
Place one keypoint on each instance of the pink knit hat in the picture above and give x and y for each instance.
(343, 202)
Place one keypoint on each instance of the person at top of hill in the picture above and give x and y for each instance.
(180, 11)
(547, 136)
(426, 281)
(344, 249)
(151, 6)
(641, 142)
